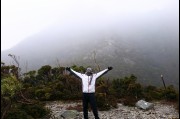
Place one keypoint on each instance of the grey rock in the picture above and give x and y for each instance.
(144, 105)
(70, 114)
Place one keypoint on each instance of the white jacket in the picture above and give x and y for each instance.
(86, 86)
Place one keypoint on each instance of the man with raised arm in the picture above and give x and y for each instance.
(88, 88)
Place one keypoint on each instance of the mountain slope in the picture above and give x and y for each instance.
(146, 55)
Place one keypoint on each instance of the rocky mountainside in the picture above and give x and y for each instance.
(145, 55)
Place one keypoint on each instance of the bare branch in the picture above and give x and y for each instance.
(94, 57)
(17, 62)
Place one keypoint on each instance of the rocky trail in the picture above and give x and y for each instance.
(66, 110)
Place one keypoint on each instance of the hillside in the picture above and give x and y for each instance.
(146, 54)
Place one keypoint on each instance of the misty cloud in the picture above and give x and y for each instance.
(29, 17)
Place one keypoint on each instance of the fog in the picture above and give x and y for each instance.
(24, 18)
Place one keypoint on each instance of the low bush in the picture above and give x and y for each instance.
(18, 114)
(36, 110)
(170, 93)
(102, 102)
(129, 101)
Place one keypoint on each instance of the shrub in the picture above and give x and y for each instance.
(40, 93)
(152, 92)
(112, 101)
(10, 85)
(126, 87)
(66, 94)
(134, 90)
(170, 93)
(102, 102)
(36, 110)
(47, 96)
(18, 114)
(129, 101)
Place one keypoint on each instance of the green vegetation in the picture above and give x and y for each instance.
(23, 97)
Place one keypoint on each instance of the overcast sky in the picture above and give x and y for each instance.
(23, 18)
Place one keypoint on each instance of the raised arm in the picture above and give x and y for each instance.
(99, 74)
(79, 75)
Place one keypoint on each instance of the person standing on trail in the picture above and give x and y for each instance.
(88, 88)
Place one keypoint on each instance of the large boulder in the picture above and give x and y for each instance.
(144, 105)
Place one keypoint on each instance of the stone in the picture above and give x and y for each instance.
(144, 105)
(70, 114)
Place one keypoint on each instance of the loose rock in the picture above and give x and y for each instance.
(160, 111)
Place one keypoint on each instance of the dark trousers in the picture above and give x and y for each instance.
(89, 98)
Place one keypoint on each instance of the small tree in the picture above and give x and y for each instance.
(10, 86)
(44, 73)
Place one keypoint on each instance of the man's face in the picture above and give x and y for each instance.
(89, 71)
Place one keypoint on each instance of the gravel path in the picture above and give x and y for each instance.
(160, 111)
